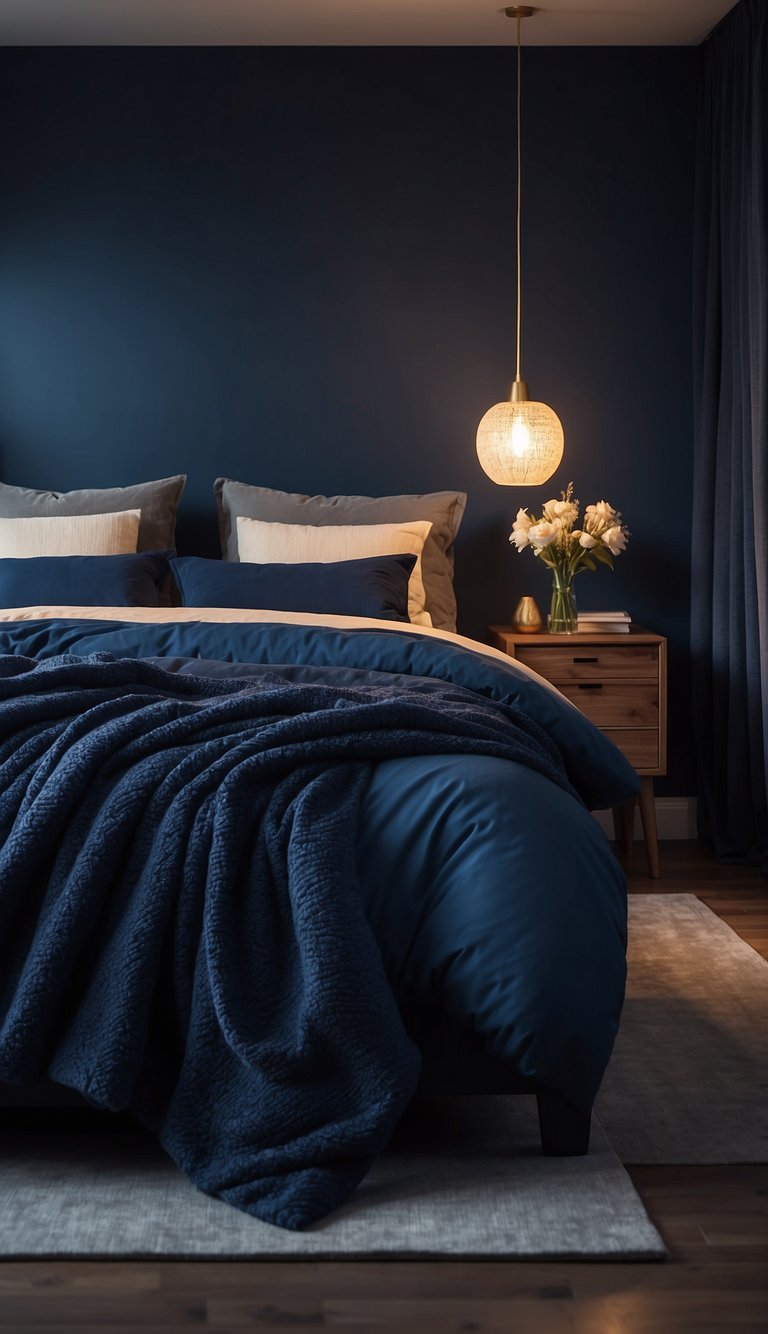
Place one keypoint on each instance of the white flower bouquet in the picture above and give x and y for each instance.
(555, 540)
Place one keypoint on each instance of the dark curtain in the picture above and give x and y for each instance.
(730, 502)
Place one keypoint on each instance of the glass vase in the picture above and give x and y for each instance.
(562, 619)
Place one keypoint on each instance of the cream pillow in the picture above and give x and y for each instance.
(291, 543)
(71, 535)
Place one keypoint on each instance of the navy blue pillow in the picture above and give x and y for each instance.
(83, 581)
(376, 586)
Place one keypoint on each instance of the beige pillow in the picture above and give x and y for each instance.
(71, 535)
(292, 543)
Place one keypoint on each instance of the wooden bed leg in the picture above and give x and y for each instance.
(564, 1128)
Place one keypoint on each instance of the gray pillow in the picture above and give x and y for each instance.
(157, 501)
(443, 509)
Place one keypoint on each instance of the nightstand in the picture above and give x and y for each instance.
(620, 682)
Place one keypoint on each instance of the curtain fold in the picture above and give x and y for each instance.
(729, 595)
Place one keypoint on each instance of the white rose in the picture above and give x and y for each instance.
(564, 510)
(520, 529)
(541, 534)
(599, 516)
(615, 539)
(587, 541)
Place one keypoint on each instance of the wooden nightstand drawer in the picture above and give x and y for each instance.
(616, 704)
(620, 683)
(582, 662)
(639, 744)
(625, 676)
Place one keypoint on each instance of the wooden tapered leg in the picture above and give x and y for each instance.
(650, 833)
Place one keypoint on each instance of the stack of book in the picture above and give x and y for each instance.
(604, 622)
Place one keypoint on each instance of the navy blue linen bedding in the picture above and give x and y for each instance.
(376, 586)
(492, 893)
(128, 580)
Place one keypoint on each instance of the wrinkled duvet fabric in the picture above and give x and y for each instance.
(215, 881)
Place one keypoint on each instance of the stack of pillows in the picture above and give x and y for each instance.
(387, 557)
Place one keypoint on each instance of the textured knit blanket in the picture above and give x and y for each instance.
(181, 932)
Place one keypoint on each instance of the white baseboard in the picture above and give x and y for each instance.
(675, 818)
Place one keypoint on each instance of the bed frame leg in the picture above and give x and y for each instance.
(564, 1128)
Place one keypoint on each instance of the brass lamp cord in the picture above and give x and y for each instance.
(519, 198)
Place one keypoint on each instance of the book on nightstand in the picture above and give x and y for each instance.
(604, 622)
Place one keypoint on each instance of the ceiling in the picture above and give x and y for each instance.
(354, 22)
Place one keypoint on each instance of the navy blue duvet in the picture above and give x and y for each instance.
(492, 893)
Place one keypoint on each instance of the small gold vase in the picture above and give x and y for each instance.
(526, 618)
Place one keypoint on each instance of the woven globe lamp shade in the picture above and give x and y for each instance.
(520, 443)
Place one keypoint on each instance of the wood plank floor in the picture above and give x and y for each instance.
(714, 1219)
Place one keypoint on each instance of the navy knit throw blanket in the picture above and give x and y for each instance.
(181, 932)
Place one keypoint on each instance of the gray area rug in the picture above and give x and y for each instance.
(464, 1177)
(688, 1080)
(688, 1083)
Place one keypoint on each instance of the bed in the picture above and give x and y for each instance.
(482, 942)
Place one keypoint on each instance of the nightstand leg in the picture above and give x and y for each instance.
(648, 817)
(623, 829)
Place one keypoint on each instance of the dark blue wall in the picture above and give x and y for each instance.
(296, 267)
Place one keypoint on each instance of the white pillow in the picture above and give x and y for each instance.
(71, 535)
(291, 543)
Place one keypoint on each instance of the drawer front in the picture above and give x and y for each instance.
(586, 662)
(639, 744)
(614, 704)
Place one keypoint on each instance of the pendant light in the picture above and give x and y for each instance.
(520, 442)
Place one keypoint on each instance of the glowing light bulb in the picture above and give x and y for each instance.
(520, 438)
